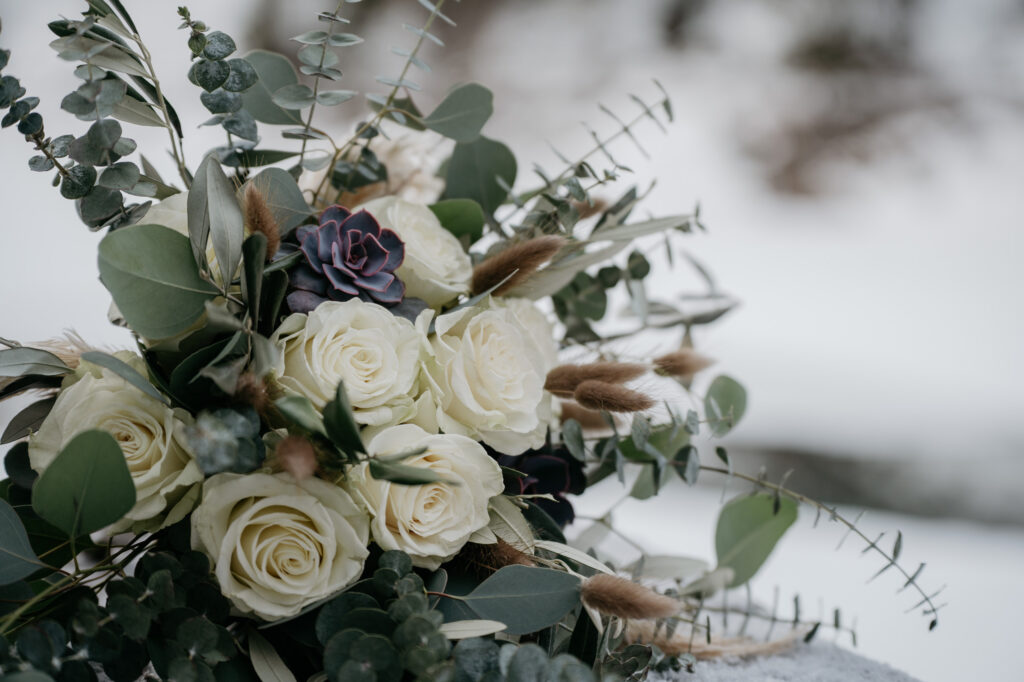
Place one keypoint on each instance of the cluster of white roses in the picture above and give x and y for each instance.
(443, 384)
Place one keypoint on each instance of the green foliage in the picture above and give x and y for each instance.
(274, 71)
(87, 487)
(748, 529)
(340, 425)
(462, 217)
(126, 372)
(724, 404)
(17, 558)
(551, 595)
(22, 361)
(214, 216)
(146, 263)
(462, 113)
(283, 197)
(483, 170)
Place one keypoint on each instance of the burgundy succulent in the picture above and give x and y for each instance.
(347, 255)
(552, 472)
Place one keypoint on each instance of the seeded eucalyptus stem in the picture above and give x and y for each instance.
(926, 599)
(384, 110)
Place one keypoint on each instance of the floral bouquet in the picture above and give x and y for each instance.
(346, 443)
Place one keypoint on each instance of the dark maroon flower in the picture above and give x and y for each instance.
(348, 255)
(553, 472)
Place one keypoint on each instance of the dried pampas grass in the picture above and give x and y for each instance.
(616, 596)
(681, 642)
(601, 396)
(563, 380)
(515, 264)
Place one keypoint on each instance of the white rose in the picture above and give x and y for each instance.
(429, 522)
(376, 354)
(487, 372)
(436, 267)
(165, 475)
(278, 545)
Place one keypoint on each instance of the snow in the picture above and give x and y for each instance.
(881, 319)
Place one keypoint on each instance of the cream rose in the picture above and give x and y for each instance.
(165, 475)
(487, 373)
(278, 545)
(436, 267)
(376, 354)
(429, 522)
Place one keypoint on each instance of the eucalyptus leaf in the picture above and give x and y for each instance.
(266, 661)
(333, 97)
(724, 404)
(473, 173)
(242, 76)
(509, 524)
(274, 72)
(294, 96)
(121, 175)
(254, 255)
(27, 421)
(299, 411)
(464, 629)
(145, 263)
(22, 361)
(17, 558)
(284, 198)
(549, 594)
(403, 474)
(748, 529)
(462, 113)
(209, 74)
(461, 217)
(87, 487)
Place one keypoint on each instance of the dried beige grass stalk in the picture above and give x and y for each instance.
(563, 380)
(616, 596)
(681, 642)
(598, 395)
(259, 218)
(682, 363)
(588, 419)
(516, 262)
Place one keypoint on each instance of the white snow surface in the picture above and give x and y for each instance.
(881, 319)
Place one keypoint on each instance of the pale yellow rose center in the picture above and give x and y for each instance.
(281, 544)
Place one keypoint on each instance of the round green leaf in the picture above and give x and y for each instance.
(87, 487)
(209, 75)
(218, 45)
(724, 404)
(274, 71)
(748, 529)
(295, 96)
(146, 263)
(463, 113)
(474, 170)
(17, 559)
(461, 217)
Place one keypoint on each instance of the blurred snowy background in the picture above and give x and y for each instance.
(859, 166)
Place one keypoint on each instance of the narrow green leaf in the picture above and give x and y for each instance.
(145, 263)
(266, 661)
(298, 410)
(403, 474)
(341, 426)
(748, 530)
(87, 487)
(22, 361)
(213, 210)
(17, 559)
(462, 114)
(126, 372)
(27, 421)
(254, 257)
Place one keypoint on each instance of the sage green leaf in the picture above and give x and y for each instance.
(474, 171)
(21, 361)
(464, 629)
(724, 404)
(121, 175)
(126, 372)
(341, 426)
(17, 559)
(572, 437)
(254, 256)
(509, 524)
(461, 217)
(748, 529)
(283, 197)
(252, 158)
(294, 96)
(525, 598)
(275, 71)
(300, 411)
(332, 97)
(131, 110)
(87, 487)
(27, 421)
(461, 115)
(266, 661)
(213, 212)
(146, 263)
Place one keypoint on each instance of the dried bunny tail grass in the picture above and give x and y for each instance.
(516, 263)
(682, 363)
(586, 209)
(296, 455)
(682, 642)
(588, 419)
(601, 396)
(615, 596)
(253, 391)
(483, 560)
(259, 218)
(563, 380)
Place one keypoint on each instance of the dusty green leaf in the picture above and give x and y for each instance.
(748, 530)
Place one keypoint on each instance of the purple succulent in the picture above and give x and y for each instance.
(554, 472)
(347, 255)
